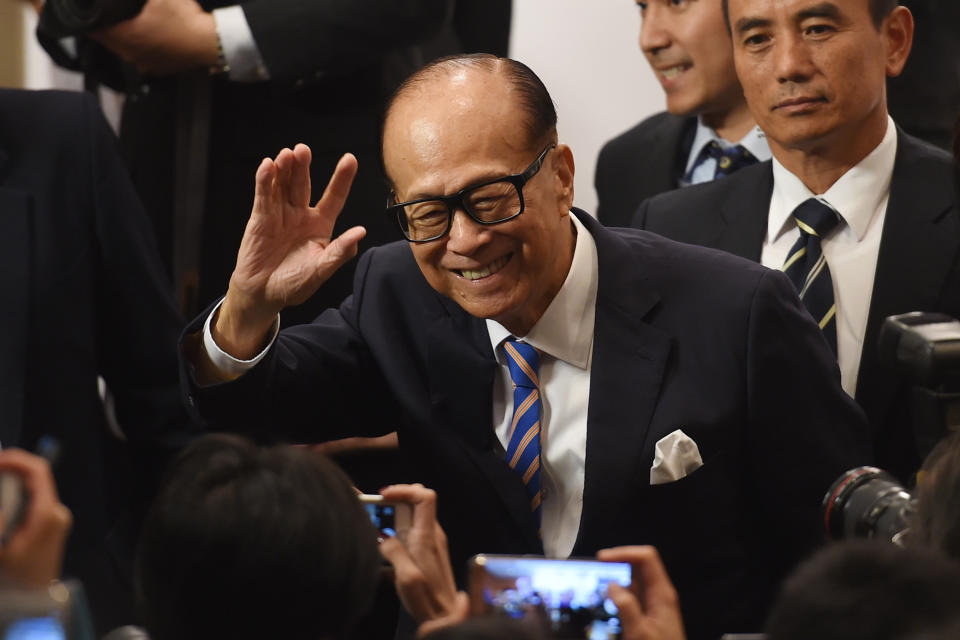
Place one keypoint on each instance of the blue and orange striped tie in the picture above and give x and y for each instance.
(523, 450)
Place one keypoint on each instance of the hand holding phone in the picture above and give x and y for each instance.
(423, 575)
(32, 552)
(391, 518)
(649, 608)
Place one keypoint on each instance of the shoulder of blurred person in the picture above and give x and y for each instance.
(647, 159)
(868, 591)
(245, 542)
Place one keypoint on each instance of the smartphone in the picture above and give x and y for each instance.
(392, 519)
(566, 598)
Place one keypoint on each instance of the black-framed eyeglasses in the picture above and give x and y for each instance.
(489, 202)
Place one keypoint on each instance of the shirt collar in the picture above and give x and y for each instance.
(755, 142)
(856, 196)
(565, 330)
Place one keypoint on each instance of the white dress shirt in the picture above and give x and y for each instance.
(564, 337)
(755, 142)
(240, 50)
(860, 196)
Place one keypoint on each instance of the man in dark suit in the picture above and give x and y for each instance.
(896, 244)
(84, 296)
(707, 130)
(640, 359)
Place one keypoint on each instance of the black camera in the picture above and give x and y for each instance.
(867, 503)
(62, 18)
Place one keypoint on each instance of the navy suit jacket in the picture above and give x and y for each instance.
(685, 338)
(918, 267)
(648, 159)
(84, 295)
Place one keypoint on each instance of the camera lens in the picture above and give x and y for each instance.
(866, 503)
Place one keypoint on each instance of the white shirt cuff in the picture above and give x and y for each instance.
(229, 367)
(239, 48)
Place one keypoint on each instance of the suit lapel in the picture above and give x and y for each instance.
(744, 211)
(918, 248)
(629, 359)
(15, 244)
(461, 389)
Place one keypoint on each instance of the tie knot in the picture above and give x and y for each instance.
(815, 217)
(524, 363)
(728, 157)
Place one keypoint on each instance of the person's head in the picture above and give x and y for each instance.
(246, 542)
(867, 591)
(936, 521)
(463, 122)
(814, 71)
(488, 627)
(688, 48)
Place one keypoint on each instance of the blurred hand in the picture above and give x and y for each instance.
(166, 37)
(649, 609)
(33, 555)
(424, 578)
(287, 250)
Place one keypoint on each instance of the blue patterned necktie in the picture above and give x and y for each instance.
(807, 268)
(728, 159)
(523, 450)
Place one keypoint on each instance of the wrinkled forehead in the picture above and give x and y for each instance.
(451, 132)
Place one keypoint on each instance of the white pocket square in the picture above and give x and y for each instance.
(675, 456)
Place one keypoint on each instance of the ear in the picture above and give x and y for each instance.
(563, 167)
(897, 32)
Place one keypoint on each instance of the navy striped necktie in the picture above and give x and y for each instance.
(523, 449)
(807, 268)
(729, 159)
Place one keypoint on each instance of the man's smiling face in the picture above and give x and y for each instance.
(462, 129)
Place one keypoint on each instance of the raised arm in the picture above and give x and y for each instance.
(287, 250)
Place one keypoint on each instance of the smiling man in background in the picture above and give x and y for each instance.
(707, 131)
(861, 216)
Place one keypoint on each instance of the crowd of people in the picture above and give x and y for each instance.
(673, 384)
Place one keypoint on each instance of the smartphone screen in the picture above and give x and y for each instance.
(383, 516)
(45, 628)
(567, 598)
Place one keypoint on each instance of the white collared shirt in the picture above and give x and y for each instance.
(564, 337)
(755, 142)
(860, 196)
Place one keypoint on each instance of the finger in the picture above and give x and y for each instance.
(35, 471)
(300, 177)
(263, 192)
(461, 612)
(629, 609)
(335, 195)
(341, 249)
(424, 503)
(284, 164)
(651, 582)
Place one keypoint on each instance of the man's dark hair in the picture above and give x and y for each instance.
(936, 522)
(879, 9)
(867, 591)
(532, 96)
(244, 542)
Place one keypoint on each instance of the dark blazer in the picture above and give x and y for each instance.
(918, 267)
(332, 66)
(83, 295)
(638, 164)
(685, 338)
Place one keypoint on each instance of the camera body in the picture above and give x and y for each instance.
(62, 18)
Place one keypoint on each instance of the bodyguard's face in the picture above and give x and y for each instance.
(461, 130)
(814, 72)
(687, 44)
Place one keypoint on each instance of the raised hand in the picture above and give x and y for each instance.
(287, 250)
(649, 609)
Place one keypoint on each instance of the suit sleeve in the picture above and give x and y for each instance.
(300, 38)
(136, 320)
(639, 220)
(804, 430)
(315, 383)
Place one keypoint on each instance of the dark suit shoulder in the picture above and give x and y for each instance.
(647, 159)
(41, 116)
